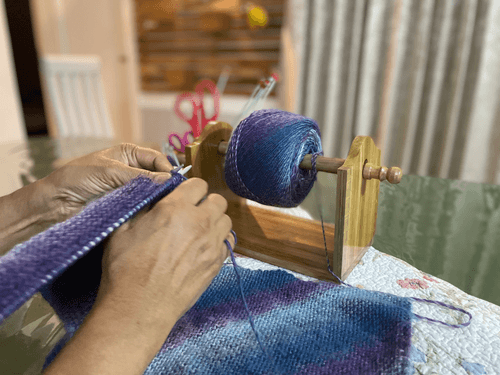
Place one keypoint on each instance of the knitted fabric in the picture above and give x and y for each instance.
(48, 261)
(306, 327)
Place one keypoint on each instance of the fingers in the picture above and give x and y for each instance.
(214, 203)
(228, 240)
(224, 225)
(145, 158)
(191, 191)
(125, 174)
(129, 161)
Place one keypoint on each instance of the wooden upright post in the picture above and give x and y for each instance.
(357, 203)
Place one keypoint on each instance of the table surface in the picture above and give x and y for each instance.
(447, 228)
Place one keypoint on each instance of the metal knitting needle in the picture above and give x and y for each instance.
(246, 106)
(267, 86)
(259, 95)
(169, 151)
(223, 78)
(272, 83)
(184, 170)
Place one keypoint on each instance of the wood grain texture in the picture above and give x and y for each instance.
(357, 203)
(282, 240)
(182, 42)
(206, 161)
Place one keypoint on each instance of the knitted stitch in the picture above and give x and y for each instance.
(306, 327)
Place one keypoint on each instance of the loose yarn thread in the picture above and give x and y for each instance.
(240, 284)
(421, 300)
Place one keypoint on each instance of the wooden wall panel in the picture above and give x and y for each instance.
(177, 50)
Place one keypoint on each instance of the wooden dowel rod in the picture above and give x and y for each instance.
(223, 147)
(331, 165)
(323, 164)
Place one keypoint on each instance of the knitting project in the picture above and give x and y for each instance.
(306, 327)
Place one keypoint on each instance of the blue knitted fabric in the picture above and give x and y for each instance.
(306, 327)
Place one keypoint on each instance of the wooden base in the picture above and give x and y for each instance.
(282, 240)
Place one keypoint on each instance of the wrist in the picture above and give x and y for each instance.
(109, 342)
(141, 319)
(26, 212)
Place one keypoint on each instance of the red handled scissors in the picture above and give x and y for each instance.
(198, 120)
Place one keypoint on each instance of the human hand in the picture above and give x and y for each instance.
(156, 266)
(75, 184)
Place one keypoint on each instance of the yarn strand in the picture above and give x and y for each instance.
(250, 317)
(420, 300)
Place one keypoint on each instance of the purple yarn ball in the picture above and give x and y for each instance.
(263, 157)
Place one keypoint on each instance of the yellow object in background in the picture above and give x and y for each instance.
(257, 16)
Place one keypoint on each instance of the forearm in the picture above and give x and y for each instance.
(26, 212)
(110, 343)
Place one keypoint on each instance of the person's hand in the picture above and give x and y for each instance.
(91, 176)
(158, 265)
(155, 267)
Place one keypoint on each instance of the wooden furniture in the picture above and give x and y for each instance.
(77, 95)
(182, 42)
(294, 243)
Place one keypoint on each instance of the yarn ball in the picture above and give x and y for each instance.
(264, 154)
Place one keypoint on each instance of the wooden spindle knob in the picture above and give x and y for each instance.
(393, 174)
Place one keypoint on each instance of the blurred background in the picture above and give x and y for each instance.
(422, 77)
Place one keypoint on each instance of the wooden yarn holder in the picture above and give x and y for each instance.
(296, 243)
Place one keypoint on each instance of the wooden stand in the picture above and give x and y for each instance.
(295, 243)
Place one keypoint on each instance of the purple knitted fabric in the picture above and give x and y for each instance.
(48, 261)
(306, 327)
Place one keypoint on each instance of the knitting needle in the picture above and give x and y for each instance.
(267, 86)
(272, 83)
(169, 151)
(246, 106)
(223, 78)
(259, 95)
(181, 170)
(184, 170)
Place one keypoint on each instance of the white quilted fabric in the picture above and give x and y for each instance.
(436, 349)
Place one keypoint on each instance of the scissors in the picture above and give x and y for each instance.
(198, 120)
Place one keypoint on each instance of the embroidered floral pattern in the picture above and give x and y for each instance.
(428, 278)
(412, 284)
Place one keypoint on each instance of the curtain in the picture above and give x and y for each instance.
(422, 77)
